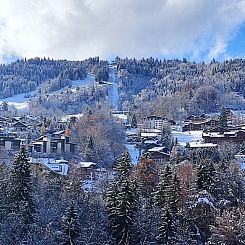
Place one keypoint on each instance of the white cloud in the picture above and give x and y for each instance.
(76, 29)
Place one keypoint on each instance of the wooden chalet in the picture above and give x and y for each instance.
(200, 125)
(236, 136)
(19, 126)
(159, 155)
(88, 169)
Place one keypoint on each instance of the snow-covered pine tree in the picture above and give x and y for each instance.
(168, 190)
(125, 211)
(166, 137)
(176, 194)
(70, 227)
(124, 166)
(166, 199)
(89, 151)
(167, 229)
(203, 212)
(206, 176)
(223, 120)
(121, 203)
(20, 196)
(111, 202)
(20, 190)
(134, 121)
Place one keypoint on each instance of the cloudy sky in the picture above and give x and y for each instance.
(77, 29)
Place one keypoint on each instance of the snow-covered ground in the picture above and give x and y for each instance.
(114, 92)
(134, 153)
(21, 101)
(184, 137)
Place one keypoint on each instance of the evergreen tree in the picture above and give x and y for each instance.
(202, 213)
(166, 199)
(134, 123)
(89, 151)
(21, 183)
(20, 197)
(70, 227)
(166, 137)
(168, 191)
(223, 120)
(206, 176)
(176, 154)
(121, 203)
(167, 229)
(124, 166)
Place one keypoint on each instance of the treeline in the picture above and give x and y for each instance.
(196, 198)
(170, 88)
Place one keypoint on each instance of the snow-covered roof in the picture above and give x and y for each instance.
(148, 134)
(58, 166)
(59, 161)
(46, 160)
(213, 134)
(156, 149)
(87, 164)
(61, 168)
(37, 143)
(198, 144)
(151, 130)
(150, 142)
(67, 118)
(240, 155)
(59, 132)
(122, 117)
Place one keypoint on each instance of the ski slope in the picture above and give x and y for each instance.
(21, 101)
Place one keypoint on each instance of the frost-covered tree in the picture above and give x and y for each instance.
(223, 121)
(124, 166)
(167, 191)
(206, 176)
(121, 204)
(166, 199)
(89, 151)
(167, 229)
(20, 193)
(134, 123)
(70, 228)
(230, 228)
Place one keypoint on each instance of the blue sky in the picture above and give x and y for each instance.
(77, 29)
(236, 47)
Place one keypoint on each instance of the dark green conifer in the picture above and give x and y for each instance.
(121, 203)
(134, 121)
(20, 197)
(70, 227)
(223, 120)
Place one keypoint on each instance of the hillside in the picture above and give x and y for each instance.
(171, 88)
